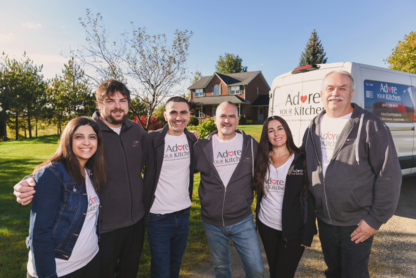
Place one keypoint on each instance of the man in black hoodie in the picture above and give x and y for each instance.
(168, 181)
(122, 209)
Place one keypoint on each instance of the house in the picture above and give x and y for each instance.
(249, 91)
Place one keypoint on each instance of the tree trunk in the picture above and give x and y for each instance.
(36, 127)
(4, 130)
(28, 122)
(17, 126)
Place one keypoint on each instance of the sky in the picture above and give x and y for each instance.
(268, 35)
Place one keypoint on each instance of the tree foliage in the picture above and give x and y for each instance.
(230, 63)
(195, 77)
(69, 96)
(403, 57)
(21, 93)
(314, 52)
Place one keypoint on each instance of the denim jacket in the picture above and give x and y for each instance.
(59, 208)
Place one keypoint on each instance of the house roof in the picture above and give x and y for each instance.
(261, 100)
(231, 79)
(201, 83)
(218, 99)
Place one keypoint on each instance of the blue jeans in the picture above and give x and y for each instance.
(246, 242)
(168, 234)
(344, 257)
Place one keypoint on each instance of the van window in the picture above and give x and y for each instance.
(392, 103)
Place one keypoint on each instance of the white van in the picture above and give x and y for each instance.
(389, 94)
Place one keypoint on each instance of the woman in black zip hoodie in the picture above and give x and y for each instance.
(285, 213)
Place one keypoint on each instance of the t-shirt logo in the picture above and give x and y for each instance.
(328, 140)
(274, 181)
(296, 172)
(177, 152)
(227, 158)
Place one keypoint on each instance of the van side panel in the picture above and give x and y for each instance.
(385, 94)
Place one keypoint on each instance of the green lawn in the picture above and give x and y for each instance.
(18, 159)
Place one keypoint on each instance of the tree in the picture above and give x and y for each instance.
(403, 57)
(157, 67)
(314, 52)
(230, 64)
(196, 76)
(105, 57)
(22, 89)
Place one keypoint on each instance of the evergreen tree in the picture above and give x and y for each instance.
(314, 52)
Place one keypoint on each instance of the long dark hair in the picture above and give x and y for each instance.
(66, 156)
(263, 154)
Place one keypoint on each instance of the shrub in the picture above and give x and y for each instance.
(250, 121)
(153, 123)
(243, 120)
(193, 121)
(206, 127)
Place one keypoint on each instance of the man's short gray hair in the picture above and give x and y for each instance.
(340, 72)
(226, 102)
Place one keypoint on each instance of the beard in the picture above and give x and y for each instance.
(227, 130)
(110, 119)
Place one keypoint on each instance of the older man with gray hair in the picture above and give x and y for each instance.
(354, 175)
(226, 161)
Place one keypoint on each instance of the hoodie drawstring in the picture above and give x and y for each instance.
(357, 144)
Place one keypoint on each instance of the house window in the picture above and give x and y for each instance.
(235, 90)
(214, 110)
(216, 90)
(199, 92)
(257, 90)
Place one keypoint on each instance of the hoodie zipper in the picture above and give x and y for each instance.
(128, 175)
(323, 178)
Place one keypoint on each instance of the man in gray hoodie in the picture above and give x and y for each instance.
(226, 161)
(354, 175)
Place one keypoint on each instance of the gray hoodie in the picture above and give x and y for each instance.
(220, 205)
(363, 178)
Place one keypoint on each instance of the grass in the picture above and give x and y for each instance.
(18, 159)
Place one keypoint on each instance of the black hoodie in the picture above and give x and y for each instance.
(122, 197)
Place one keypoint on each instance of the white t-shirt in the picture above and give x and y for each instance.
(172, 192)
(116, 129)
(271, 205)
(227, 155)
(331, 129)
(86, 246)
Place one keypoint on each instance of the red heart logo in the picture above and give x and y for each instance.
(274, 181)
(180, 147)
(330, 136)
(389, 89)
(230, 153)
(303, 98)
